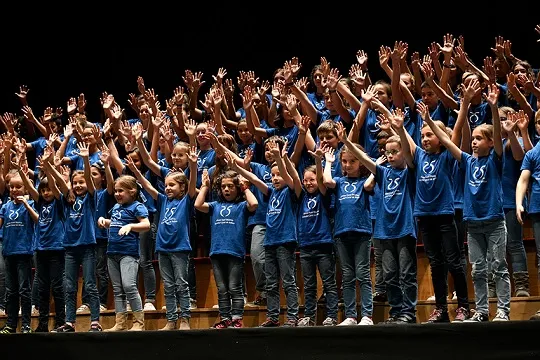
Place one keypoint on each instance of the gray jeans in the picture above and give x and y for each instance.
(281, 263)
(2, 280)
(146, 246)
(483, 237)
(257, 258)
(123, 270)
(174, 271)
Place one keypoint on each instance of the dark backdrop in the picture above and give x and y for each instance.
(89, 49)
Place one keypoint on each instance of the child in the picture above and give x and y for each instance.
(352, 229)
(483, 208)
(173, 237)
(18, 217)
(227, 251)
(128, 217)
(280, 239)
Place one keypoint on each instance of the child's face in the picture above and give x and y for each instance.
(406, 78)
(310, 182)
(394, 155)
(228, 189)
(382, 95)
(201, 132)
(136, 159)
(381, 144)
(123, 195)
(350, 165)
(79, 185)
(481, 145)
(317, 77)
(430, 142)
(429, 98)
(174, 189)
(277, 180)
(328, 102)
(328, 139)
(179, 157)
(88, 137)
(96, 176)
(46, 194)
(53, 127)
(243, 133)
(268, 154)
(16, 187)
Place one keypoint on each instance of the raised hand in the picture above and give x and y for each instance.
(493, 94)
(131, 165)
(190, 127)
(205, 181)
(317, 154)
(381, 160)
(193, 154)
(522, 120)
(140, 85)
(71, 106)
(397, 118)
(81, 103)
(220, 76)
(362, 58)
(247, 97)
(22, 94)
(83, 149)
(329, 154)
(303, 126)
(423, 110)
(105, 156)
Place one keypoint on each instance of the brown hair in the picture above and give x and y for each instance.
(363, 172)
(229, 174)
(180, 178)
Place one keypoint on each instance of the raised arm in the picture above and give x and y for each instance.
(84, 153)
(329, 158)
(492, 97)
(408, 149)
(200, 203)
(521, 190)
(359, 154)
(259, 184)
(317, 155)
(443, 136)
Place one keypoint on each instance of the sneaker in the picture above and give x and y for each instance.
(454, 296)
(406, 319)
(535, 316)
(269, 323)
(305, 321)
(148, 306)
(477, 317)
(2, 312)
(237, 324)
(501, 316)
(462, 314)
(26, 329)
(290, 323)
(128, 307)
(380, 297)
(439, 315)
(83, 309)
(8, 330)
(223, 324)
(348, 322)
(192, 304)
(431, 298)
(215, 306)
(96, 327)
(245, 300)
(35, 311)
(392, 319)
(66, 328)
(259, 301)
(329, 322)
(366, 320)
(102, 308)
(42, 328)
(164, 308)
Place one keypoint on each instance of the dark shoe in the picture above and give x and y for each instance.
(380, 297)
(270, 323)
(95, 328)
(8, 330)
(42, 328)
(63, 328)
(406, 319)
(462, 314)
(223, 324)
(290, 323)
(26, 329)
(535, 316)
(391, 320)
(439, 315)
(521, 284)
(237, 324)
(477, 317)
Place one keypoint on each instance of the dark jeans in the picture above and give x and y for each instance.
(146, 246)
(50, 270)
(229, 277)
(35, 286)
(462, 237)
(191, 278)
(18, 275)
(400, 268)
(102, 273)
(439, 234)
(2, 279)
(76, 256)
(203, 231)
(322, 257)
(514, 242)
(280, 262)
(535, 218)
(380, 287)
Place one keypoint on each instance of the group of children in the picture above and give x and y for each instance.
(327, 166)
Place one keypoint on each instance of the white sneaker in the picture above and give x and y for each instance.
(348, 322)
(192, 304)
(305, 321)
(366, 321)
(128, 307)
(501, 316)
(431, 298)
(35, 312)
(329, 322)
(164, 307)
(215, 306)
(149, 307)
(454, 296)
(2, 312)
(102, 308)
(83, 309)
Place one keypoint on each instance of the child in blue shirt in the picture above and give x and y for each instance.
(128, 218)
(280, 240)
(228, 220)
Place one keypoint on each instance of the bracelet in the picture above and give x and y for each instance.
(449, 66)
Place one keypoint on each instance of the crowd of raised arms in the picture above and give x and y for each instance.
(327, 166)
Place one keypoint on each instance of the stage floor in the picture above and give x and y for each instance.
(511, 340)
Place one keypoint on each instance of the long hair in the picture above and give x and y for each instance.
(229, 174)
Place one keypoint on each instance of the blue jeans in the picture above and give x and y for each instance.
(257, 258)
(174, 271)
(123, 270)
(400, 268)
(50, 275)
(102, 273)
(535, 219)
(354, 254)
(280, 261)
(147, 241)
(514, 242)
(229, 276)
(18, 275)
(192, 277)
(319, 256)
(2, 279)
(489, 237)
(76, 256)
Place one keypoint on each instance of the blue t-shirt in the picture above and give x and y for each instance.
(314, 219)
(264, 173)
(510, 176)
(434, 193)
(50, 231)
(395, 214)
(18, 229)
(280, 216)
(104, 205)
(531, 162)
(482, 195)
(458, 183)
(227, 225)
(206, 159)
(290, 133)
(122, 215)
(77, 162)
(173, 228)
(351, 207)
(38, 146)
(80, 220)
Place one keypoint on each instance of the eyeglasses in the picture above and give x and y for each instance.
(393, 152)
(503, 118)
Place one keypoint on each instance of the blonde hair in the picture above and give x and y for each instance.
(486, 130)
(129, 183)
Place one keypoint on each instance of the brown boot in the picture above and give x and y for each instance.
(171, 325)
(184, 324)
(138, 321)
(120, 324)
